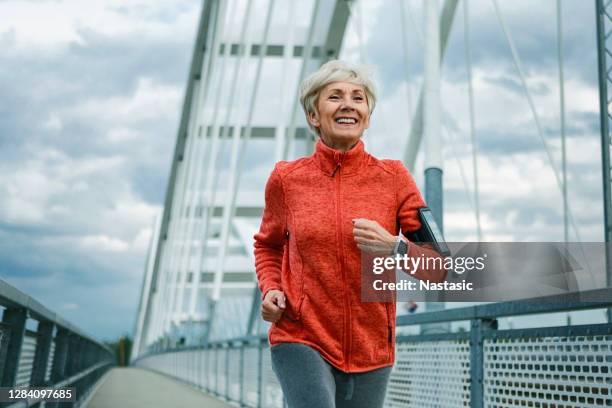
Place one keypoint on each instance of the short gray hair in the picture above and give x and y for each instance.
(335, 71)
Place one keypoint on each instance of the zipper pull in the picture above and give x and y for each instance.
(338, 165)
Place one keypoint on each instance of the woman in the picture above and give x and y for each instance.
(328, 348)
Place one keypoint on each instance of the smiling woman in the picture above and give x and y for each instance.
(338, 103)
(329, 349)
(342, 110)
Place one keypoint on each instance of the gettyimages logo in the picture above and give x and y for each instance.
(410, 264)
(485, 272)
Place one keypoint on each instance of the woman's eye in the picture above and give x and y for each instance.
(334, 97)
(359, 98)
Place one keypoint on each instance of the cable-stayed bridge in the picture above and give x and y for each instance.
(199, 340)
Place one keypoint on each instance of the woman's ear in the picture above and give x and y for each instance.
(313, 120)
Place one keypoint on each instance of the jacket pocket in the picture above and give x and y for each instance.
(293, 280)
(293, 309)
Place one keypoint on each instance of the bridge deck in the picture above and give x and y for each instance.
(132, 387)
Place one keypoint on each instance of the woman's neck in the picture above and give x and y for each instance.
(339, 144)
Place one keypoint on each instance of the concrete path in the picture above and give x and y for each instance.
(130, 387)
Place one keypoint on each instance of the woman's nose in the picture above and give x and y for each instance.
(347, 104)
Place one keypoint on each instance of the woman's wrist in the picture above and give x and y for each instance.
(400, 245)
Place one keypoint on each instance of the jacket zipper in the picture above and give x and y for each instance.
(347, 315)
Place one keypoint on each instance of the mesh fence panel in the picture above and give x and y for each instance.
(272, 396)
(251, 373)
(571, 371)
(430, 374)
(50, 362)
(234, 374)
(26, 360)
(221, 371)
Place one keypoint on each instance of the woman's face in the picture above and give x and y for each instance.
(343, 114)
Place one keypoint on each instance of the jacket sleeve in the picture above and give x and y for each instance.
(270, 240)
(409, 201)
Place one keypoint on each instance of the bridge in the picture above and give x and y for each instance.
(199, 340)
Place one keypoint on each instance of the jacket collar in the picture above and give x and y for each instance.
(330, 161)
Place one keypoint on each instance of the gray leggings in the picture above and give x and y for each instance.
(309, 381)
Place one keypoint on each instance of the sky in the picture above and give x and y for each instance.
(90, 98)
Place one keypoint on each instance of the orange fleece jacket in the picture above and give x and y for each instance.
(305, 248)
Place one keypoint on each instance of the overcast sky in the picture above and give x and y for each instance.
(91, 92)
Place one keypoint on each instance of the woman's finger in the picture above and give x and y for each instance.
(271, 317)
(268, 316)
(279, 300)
(365, 248)
(365, 234)
(269, 307)
(366, 241)
(360, 231)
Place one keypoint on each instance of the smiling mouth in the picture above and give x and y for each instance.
(346, 121)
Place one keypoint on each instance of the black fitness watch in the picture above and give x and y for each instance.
(401, 247)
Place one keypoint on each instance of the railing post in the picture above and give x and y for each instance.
(260, 375)
(207, 369)
(44, 335)
(60, 356)
(71, 355)
(478, 327)
(201, 372)
(78, 355)
(241, 375)
(227, 370)
(216, 391)
(16, 319)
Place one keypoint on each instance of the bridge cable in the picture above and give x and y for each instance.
(288, 148)
(474, 142)
(562, 116)
(406, 59)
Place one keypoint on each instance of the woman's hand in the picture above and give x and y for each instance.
(372, 238)
(273, 306)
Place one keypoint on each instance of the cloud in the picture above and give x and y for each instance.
(103, 243)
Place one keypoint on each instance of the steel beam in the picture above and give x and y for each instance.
(15, 318)
(41, 355)
(416, 132)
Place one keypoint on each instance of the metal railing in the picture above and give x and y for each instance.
(567, 366)
(55, 354)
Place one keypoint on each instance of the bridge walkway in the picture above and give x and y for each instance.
(131, 387)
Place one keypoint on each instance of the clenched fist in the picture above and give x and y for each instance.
(273, 306)
(372, 238)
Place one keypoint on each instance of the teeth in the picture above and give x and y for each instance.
(346, 120)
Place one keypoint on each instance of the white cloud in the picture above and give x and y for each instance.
(51, 26)
(149, 101)
(142, 239)
(103, 243)
(122, 135)
(69, 306)
(54, 123)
